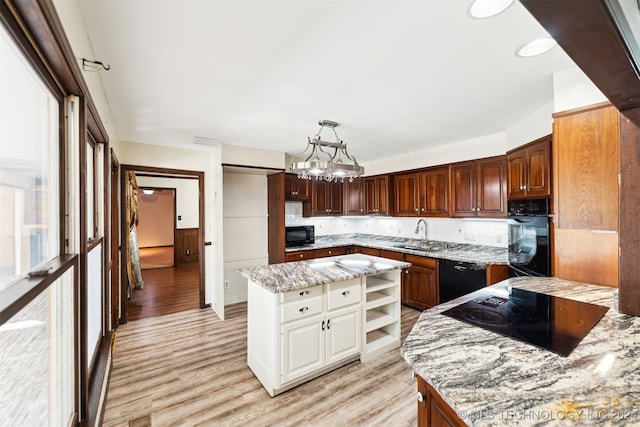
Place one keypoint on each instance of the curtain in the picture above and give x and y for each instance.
(132, 217)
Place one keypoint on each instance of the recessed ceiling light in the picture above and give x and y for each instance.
(536, 47)
(487, 8)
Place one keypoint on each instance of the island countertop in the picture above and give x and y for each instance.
(289, 276)
(492, 380)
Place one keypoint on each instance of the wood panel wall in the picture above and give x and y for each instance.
(187, 239)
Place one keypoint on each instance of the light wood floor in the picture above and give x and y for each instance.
(190, 369)
(166, 290)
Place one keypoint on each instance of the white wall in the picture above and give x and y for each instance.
(69, 14)
(156, 226)
(245, 230)
(187, 197)
(573, 89)
(535, 125)
(236, 155)
(484, 146)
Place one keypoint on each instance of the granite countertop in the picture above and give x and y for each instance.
(289, 276)
(491, 380)
(477, 254)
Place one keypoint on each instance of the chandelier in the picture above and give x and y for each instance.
(324, 159)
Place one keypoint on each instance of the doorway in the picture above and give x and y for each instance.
(164, 286)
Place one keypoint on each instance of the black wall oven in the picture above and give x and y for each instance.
(529, 245)
(299, 235)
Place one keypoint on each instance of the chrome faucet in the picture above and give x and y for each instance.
(425, 228)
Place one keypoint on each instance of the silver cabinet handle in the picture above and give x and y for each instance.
(303, 293)
(345, 293)
(301, 256)
(304, 309)
(420, 397)
(416, 209)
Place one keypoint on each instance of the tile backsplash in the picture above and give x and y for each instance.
(490, 232)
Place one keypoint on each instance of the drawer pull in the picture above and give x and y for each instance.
(345, 293)
(329, 324)
(303, 293)
(323, 325)
(303, 309)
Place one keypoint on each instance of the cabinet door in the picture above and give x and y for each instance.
(382, 192)
(516, 174)
(320, 199)
(303, 347)
(406, 194)
(296, 188)
(370, 196)
(343, 333)
(463, 189)
(420, 287)
(434, 192)
(492, 188)
(335, 198)
(353, 197)
(539, 169)
(433, 411)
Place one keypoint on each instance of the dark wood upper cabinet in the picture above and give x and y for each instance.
(423, 193)
(353, 197)
(296, 189)
(326, 199)
(434, 192)
(376, 195)
(479, 188)
(529, 170)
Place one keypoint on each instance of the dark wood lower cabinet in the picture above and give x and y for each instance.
(433, 411)
(420, 282)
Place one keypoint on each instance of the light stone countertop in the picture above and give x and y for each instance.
(290, 276)
(491, 380)
(477, 254)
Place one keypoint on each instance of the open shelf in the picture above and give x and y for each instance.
(376, 283)
(379, 338)
(377, 299)
(377, 319)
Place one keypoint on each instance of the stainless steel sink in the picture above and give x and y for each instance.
(427, 247)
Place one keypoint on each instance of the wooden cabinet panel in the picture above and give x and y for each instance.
(301, 255)
(424, 193)
(296, 188)
(406, 187)
(326, 199)
(585, 196)
(366, 251)
(492, 188)
(320, 253)
(398, 256)
(529, 170)
(479, 188)
(376, 195)
(433, 411)
(463, 189)
(353, 197)
(420, 282)
(434, 192)
(587, 170)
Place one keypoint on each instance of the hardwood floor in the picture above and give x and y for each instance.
(190, 369)
(166, 290)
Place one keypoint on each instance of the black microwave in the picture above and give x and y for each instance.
(299, 235)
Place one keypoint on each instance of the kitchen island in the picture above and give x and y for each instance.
(307, 318)
(468, 375)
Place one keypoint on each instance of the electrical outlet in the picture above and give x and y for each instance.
(226, 284)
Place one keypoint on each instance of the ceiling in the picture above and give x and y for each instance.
(399, 76)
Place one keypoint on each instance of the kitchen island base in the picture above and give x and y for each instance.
(302, 333)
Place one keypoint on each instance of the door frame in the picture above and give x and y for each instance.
(164, 173)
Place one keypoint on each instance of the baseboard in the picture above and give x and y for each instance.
(235, 300)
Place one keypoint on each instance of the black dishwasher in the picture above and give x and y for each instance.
(459, 278)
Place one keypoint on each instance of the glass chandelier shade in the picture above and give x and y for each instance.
(324, 160)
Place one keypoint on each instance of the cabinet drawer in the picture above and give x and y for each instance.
(302, 255)
(341, 294)
(300, 294)
(301, 309)
(330, 252)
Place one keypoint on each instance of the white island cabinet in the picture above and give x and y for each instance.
(309, 317)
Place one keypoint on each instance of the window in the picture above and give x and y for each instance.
(29, 167)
